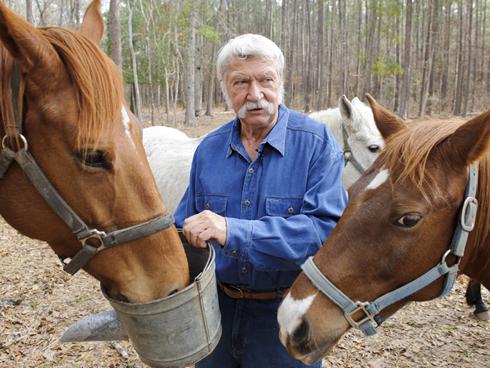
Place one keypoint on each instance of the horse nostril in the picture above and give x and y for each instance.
(373, 148)
(301, 336)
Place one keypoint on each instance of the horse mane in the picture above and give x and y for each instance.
(406, 153)
(96, 80)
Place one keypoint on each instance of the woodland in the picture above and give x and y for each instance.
(418, 57)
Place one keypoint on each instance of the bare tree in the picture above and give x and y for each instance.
(115, 32)
(190, 115)
(404, 98)
(136, 87)
(29, 14)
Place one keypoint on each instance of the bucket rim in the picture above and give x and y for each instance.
(208, 266)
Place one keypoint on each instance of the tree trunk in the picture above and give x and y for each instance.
(460, 71)
(29, 15)
(469, 59)
(212, 76)
(190, 112)
(198, 82)
(398, 84)
(307, 71)
(428, 57)
(357, 87)
(404, 98)
(445, 52)
(115, 32)
(137, 97)
(320, 56)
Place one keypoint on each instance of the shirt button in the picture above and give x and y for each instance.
(251, 170)
(290, 210)
(234, 252)
(206, 206)
(244, 269)
(247, 203)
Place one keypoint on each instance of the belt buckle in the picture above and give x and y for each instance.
(236, 288)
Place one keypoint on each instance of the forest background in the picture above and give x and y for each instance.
(418, 57)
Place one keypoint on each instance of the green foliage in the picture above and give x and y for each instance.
(389, 68)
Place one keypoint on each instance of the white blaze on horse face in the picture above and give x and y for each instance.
(125, 121)
(290, 313)
(379, 179)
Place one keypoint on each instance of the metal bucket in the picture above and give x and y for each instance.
(180, 329)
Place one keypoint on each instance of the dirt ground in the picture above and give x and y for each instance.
(38, 301)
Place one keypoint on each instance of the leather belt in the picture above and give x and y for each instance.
(238, 293)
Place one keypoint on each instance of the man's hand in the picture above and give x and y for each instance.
(204, 226)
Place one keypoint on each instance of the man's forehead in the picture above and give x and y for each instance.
(255, 63)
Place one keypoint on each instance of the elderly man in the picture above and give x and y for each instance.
(265, 191)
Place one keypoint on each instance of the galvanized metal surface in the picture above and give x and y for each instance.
(181, 329)
(175, 331)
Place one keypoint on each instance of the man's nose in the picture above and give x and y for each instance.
(254, 91)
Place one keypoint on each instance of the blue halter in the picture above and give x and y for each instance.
(371, 320)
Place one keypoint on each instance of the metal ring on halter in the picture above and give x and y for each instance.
(22, 138)
(448, 252)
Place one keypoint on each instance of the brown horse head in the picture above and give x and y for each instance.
(88, 144)
(398, 224)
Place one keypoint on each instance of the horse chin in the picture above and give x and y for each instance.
(313, 352)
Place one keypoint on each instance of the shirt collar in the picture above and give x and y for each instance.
(276, 137)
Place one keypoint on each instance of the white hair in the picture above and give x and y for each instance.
(245, 46)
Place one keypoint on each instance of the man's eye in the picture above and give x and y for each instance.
(94, 158)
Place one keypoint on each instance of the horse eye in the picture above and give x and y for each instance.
(373, 148)
(94, 158)
(409, 220)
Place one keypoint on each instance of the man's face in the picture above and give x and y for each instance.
(253, 86)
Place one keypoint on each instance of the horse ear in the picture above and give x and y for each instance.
(470, 141)
(25, 43)
(93, 23)
(386, 121)
(345, 108)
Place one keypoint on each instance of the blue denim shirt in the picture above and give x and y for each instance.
(279, 208)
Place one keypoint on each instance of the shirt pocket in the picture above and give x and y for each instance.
(283, 206)
(214, 203)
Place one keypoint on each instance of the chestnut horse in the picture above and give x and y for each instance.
(402, 237)
(73, 171)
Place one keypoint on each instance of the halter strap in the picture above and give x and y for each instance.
(6, 158)
(456, 248)
(84, 234)
(347, 151)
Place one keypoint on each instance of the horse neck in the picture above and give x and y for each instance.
(477, 264)
(333, 120)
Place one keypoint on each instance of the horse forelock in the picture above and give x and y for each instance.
(98, 84)
(407, 154)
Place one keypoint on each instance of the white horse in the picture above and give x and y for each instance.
(170, 151)
(352, 124)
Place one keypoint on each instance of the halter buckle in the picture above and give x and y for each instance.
(347, 155)
(468, 213)
(361, 306)
(98, 236)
